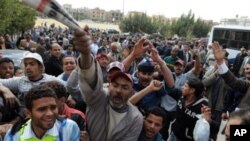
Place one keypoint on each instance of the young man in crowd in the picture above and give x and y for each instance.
(34, 76)
(153, 122)
(6, 68)
(191, 103)
(63, 108)
(41, 107)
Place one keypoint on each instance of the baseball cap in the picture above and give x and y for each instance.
(122, 74)
(146, 65)
(116, 64)
(179, 62)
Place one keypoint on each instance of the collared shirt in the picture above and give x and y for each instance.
(66, 130)
(222, 68)
(181, 79)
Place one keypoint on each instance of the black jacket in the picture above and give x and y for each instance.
(53, 66)
(185, 121)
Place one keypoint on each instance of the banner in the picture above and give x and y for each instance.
(54, 10)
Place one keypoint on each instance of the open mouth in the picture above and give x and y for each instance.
(117, 99)
(149, 133)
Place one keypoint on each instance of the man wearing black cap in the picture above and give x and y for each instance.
(110, 116)
(149, 92)
(179, 66)
(146, 98)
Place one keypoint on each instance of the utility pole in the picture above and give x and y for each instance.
(123, 3)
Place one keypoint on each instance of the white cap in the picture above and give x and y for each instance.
(35, 56)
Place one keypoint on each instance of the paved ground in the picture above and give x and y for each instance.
(91, 24)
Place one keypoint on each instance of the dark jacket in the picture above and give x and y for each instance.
(53, 66)
(185, 121)
(238, 85)
(235, 83)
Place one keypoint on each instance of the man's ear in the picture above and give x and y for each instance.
(27, 113)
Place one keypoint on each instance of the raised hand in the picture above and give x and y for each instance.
(219, 53)
(154, 54)
(82, 41)
(155, 85)
(139, 49)
(196, 52)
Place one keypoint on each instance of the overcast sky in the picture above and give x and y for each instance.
(206, 9)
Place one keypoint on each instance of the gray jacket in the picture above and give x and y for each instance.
(97, 99)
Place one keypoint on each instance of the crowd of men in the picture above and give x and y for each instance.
(93, 86)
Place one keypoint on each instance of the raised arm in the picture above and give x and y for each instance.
(86, 64)
(197, 65)
(167, 74)
(88, 69)
(227, 75)
(137, 51)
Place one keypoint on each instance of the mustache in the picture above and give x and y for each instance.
(117, 96)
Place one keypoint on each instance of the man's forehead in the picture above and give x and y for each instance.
(122, 81)
(247, 66)
(49, 101)
(29, 60)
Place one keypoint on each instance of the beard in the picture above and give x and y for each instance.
(117, 101)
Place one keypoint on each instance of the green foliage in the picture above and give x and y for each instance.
(15, 17)
(185, 26)
(136, 23)
(201, 28)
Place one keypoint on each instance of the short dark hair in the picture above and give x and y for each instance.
(69, 45)
(158, 112)
(58, 88)
(197, 85)
(65, 56)
(16, 68)
(243, 115)
(37, 93)
(6, 60)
